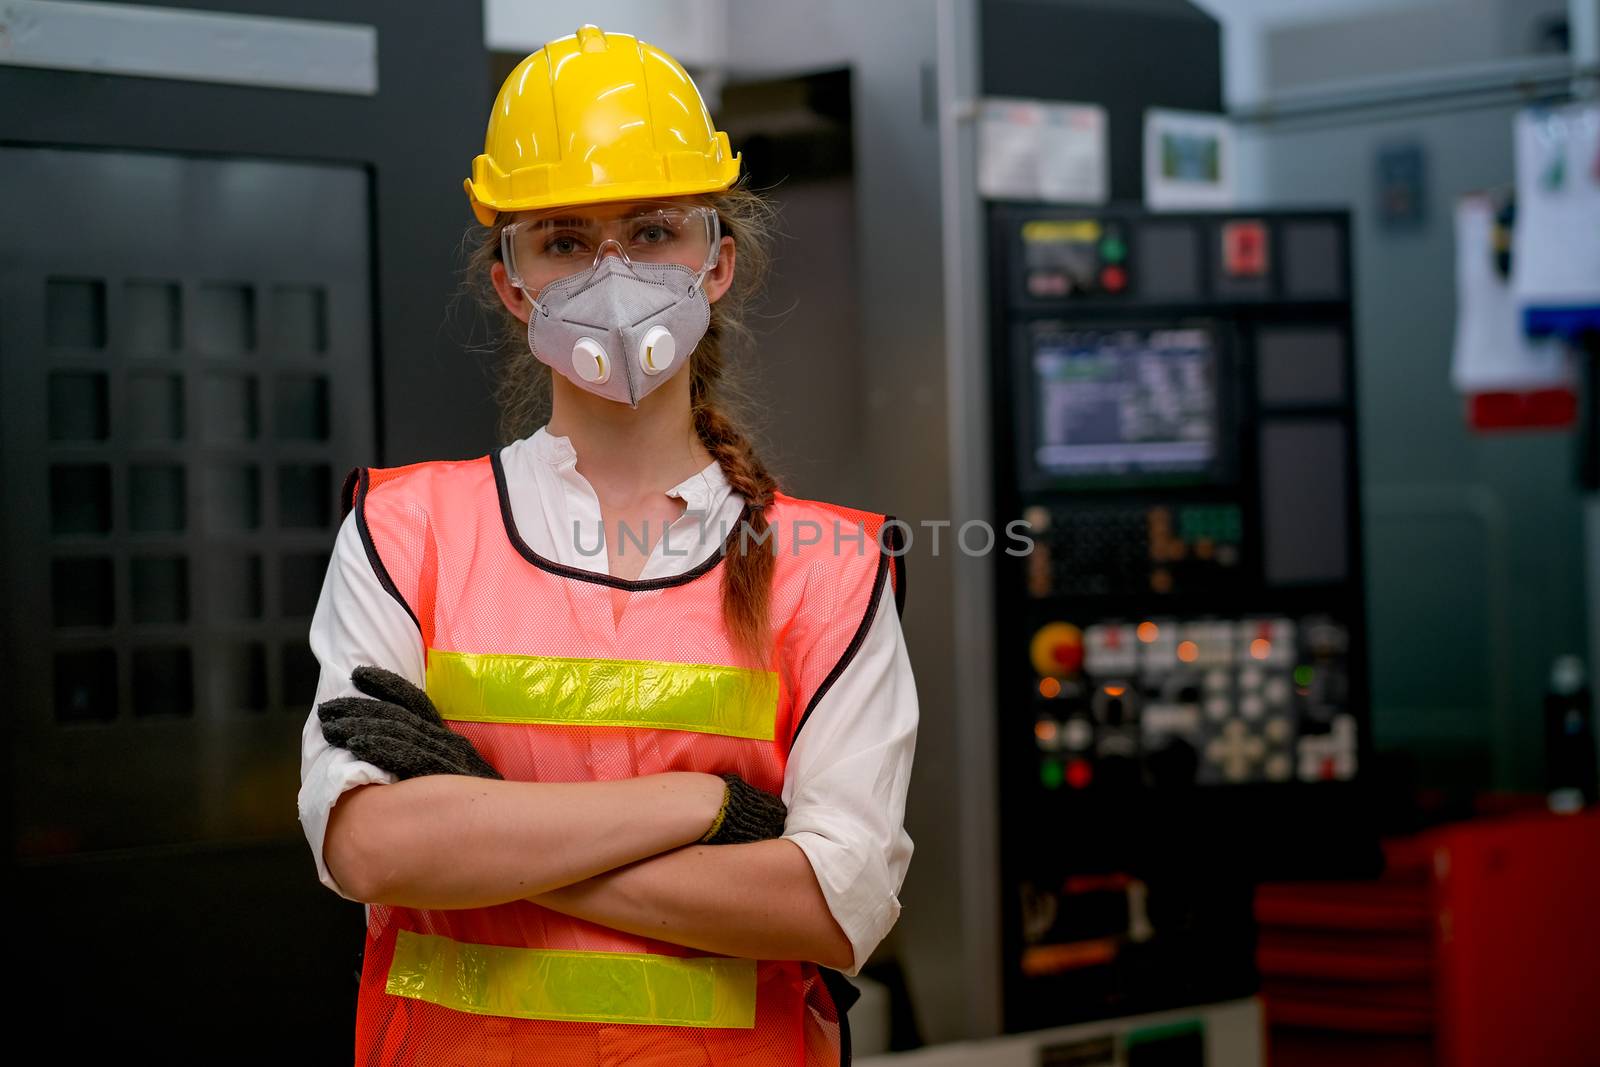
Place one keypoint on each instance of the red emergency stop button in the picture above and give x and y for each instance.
(1057, 650)
(1113, 279)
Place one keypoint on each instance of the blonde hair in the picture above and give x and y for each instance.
(522, 391)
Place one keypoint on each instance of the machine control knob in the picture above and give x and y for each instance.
(1057, 650)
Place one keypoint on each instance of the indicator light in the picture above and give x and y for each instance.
(1188, 651)
(1050, 774)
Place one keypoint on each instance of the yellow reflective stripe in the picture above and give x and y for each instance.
(549, 690)
(596, 987)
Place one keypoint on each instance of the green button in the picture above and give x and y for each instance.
(1050, 774)
(1113, 250)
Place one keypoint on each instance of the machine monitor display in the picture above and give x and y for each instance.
(1125, 403)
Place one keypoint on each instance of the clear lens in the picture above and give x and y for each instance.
(566, 241)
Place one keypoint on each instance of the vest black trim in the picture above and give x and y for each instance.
(360, 477)
(631, 585)
(856, 639)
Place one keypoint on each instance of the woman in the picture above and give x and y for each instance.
(553, 772)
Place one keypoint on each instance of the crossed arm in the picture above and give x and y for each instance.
(615, 853)
(608, 852)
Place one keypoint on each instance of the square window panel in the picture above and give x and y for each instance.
(80, 499)
(302, 407)
(159, 589)
(234, 587)
(82, 591)
(240, 671)
(299, 321)
(233, 497)
(224, 320)
(230, 409)
(163, 682)
(75, 313)
(305, 495)
(152, 318)
(86, 685)
(78, 407)
(156, 498)
(155, 408)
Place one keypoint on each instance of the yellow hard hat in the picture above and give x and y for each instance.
(596, 117)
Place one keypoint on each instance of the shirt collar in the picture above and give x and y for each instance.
(701, 491)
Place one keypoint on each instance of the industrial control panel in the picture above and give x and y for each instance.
(1181, 665)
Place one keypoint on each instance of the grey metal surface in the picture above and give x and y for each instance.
(417, 135)
(219, 313)
(161, 42)
(900, 379)
(290, 944)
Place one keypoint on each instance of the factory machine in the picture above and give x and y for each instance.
(1182, 678)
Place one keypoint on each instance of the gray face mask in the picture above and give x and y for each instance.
(620, 331)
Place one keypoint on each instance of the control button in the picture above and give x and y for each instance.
(1244, 249)
(1048, 734)
(1279, 767)
(1216, 680)
(1113, 249)
(1236, 752)
(1277, 691)
(1050, 773)
(1277, 730)
(1113, 279)
(1329, 756)
(1079, 773)
(1217, 708)
(1077, 734)
(1057, 650)
(1252, 707)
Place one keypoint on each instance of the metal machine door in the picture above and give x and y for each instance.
(185, 374)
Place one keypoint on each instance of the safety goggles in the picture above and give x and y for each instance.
(566, 241)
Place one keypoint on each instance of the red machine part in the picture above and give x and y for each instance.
(1479, 947)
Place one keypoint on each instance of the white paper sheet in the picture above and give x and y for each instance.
(1492, 354)
(1034, 150)
(1556, 256)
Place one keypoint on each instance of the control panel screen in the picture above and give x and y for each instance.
(1125, 403)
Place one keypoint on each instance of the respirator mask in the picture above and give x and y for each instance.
(616, 291)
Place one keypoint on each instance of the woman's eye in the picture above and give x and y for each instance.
(653, 234)
(562, 245)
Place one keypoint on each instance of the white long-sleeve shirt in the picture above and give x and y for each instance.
(845, 783)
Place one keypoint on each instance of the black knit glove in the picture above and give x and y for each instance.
(748, 814)
(397, 728)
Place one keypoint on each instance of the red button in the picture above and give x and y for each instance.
(1079, 774)
(1113, 279)
(1068, 656)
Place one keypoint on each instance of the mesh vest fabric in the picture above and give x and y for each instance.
(526, 658)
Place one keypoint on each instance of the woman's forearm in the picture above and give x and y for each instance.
(446, 841)
(757, 901)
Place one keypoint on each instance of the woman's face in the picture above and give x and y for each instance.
(559, 242)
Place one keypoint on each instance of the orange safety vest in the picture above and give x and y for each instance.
(526, 659)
